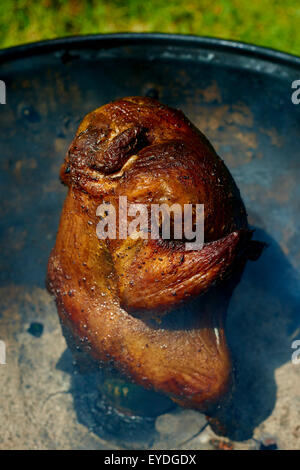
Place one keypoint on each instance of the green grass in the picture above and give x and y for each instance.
(270, 23)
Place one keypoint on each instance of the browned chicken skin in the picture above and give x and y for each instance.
(109, 293)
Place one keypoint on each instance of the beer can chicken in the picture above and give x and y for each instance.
(149, 308)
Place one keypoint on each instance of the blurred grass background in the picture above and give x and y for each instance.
(270, 23)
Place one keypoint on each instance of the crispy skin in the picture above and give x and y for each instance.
(159, 278)
(181, 356)
(108, 292)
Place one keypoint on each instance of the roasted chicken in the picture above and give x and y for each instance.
(149, 307)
